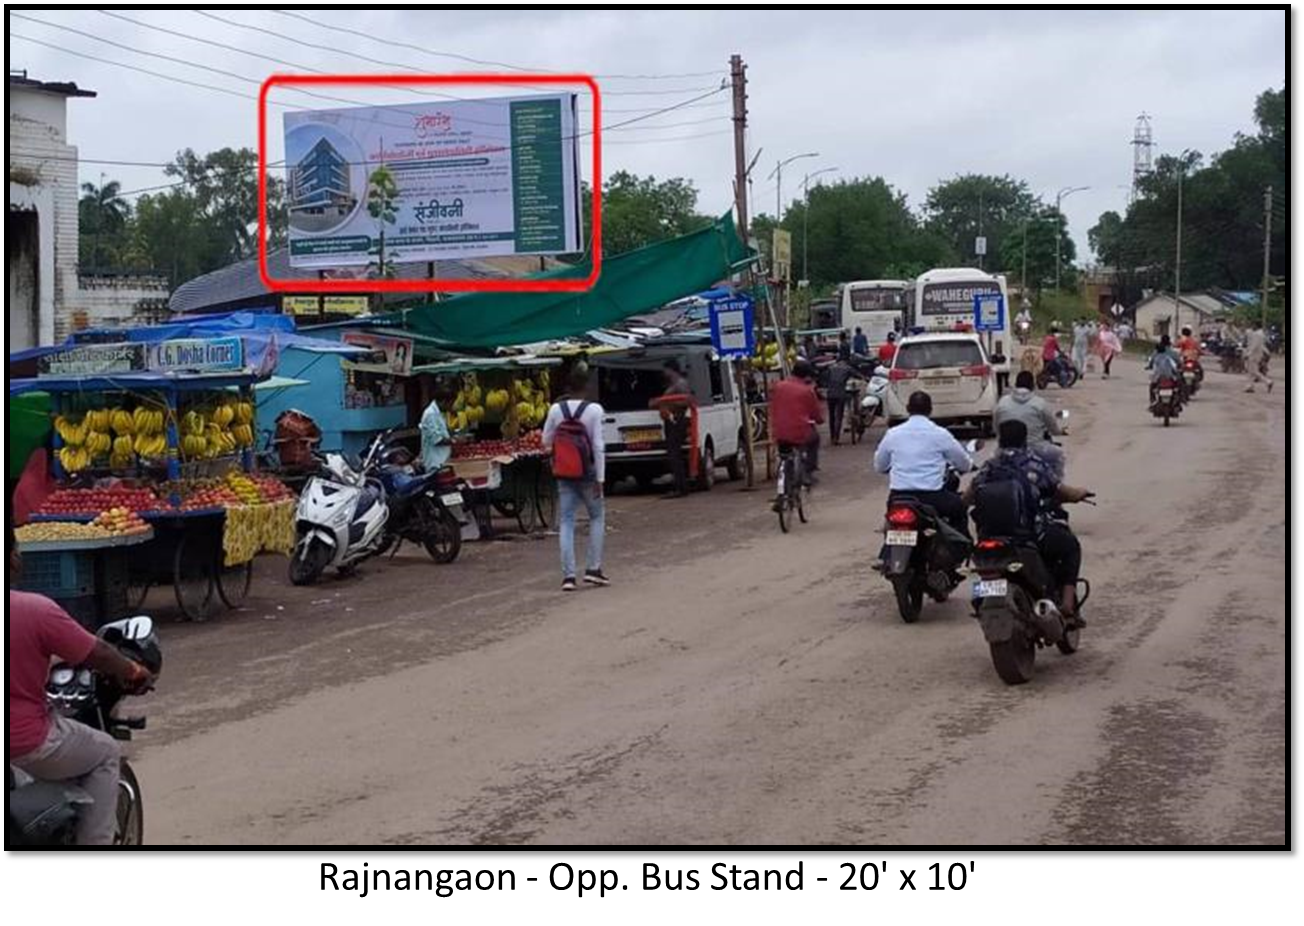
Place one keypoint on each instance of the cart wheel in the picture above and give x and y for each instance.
(233, 583)
(138, 583)
(545, 495)
(192, 579)
(527, 506)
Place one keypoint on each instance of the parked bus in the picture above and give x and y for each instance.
(876, 307)
(942, 300)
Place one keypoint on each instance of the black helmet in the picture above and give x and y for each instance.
(135, 638)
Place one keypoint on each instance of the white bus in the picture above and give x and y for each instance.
(876, 307)
(942, 300)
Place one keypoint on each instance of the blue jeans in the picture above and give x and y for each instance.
(570, 493)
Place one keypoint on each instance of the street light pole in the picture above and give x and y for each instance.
(805, 218)
(1059, 231)
(1177, 270)
(778, 187)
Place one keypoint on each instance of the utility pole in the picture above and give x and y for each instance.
(1267, 254)
(1023, 274)
(1177, 276)
(983, 255)
(738, 76)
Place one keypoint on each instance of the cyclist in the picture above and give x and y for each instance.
(795, 410)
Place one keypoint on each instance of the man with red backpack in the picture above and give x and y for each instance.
(572, 432)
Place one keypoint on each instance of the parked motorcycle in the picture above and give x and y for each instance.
(424, 508)
(866, 402)
(1166, 400)
(921, 552)
(340, 520)
(1060, 370)
(45, 813)
(1014, 598)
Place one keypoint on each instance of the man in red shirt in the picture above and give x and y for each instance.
(46, 744)
(888, 349)
(795, 410)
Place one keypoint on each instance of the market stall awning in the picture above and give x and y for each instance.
(481, 364)
(130, 382)
(634, 282)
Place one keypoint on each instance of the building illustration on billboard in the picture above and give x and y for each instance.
(320, 189)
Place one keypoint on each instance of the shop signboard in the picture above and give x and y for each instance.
(301, 305)
(389, 355)
(197, 355)
(346, 305)
(93, 360)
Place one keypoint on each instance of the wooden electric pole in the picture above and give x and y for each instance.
(738, 75)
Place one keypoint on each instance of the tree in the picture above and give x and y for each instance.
(382, 205)
(1037, 235)
(102, 214)
(224, 184)
(638, 211)
(953, 208)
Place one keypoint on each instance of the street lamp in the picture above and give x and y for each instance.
(805, 217)
(1177, 270)
(778, 189)
(1059, 197)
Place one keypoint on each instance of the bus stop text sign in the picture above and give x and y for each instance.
(988, 312)
(732, 332)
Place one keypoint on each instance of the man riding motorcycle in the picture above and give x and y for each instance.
(1164, 364)
(1023, 404)
(916, 454)
(1056, 543)
(1051, 352)
(1188, 346)
(44, 743)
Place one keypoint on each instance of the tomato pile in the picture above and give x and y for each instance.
(530, 442)
(94, 501)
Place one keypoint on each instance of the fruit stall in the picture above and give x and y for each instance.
(155, 486)
(496, 419)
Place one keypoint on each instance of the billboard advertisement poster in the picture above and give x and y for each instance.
(397, 353)
(461, 179)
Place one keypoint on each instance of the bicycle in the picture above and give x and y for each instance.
(792, 488)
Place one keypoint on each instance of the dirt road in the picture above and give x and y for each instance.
(736, 685)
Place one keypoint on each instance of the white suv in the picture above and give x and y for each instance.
(954, 370)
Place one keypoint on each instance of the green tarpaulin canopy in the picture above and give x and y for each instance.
(29, 428)
(631, 283)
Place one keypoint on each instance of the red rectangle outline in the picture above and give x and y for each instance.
(429, 285)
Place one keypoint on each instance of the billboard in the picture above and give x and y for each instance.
(462, 179)
(389, 355)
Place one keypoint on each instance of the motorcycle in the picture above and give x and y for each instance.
(424, 508)
(45, 813)
(1166, 400)
(1060, 370)
(866, 402)
(1192, 377)
(921, 552)
(1023, 330)
(1014, 601)
(340, 520)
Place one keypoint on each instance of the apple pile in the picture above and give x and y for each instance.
(95, 501)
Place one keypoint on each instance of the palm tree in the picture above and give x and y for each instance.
(103, 213)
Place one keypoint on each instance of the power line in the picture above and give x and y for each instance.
(480, 61)
(407, 67)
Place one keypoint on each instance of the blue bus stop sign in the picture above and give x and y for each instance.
(988, 312)
(732, 330)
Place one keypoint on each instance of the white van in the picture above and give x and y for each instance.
(632, 432)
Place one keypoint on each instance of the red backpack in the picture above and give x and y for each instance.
(572, 451)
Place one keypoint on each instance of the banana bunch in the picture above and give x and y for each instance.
(123, 423)
(72, 433)
(147, 420)
(123, 453)
(243, 434)
(192, 422)
(244, 413)
(219, 440)
(73, 459)
(99, 419)
(98, 443)
(150, 446)
(224, 414)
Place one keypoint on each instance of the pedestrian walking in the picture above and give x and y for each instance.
(860, 343)
(572, 433)
(673, 405)
(1081, 339)
(1257, 357)
(1108, 346)
(836, 396)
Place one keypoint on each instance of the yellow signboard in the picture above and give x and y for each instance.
(301, 305)
(347, 305)
(782, 253)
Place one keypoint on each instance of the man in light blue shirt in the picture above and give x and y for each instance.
(915, 456)
(436, 443)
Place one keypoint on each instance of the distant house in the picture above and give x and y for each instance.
(49, 296)
(1159, 313)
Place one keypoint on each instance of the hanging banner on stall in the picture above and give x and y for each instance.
(197, 355)
(390, 355)
(301, 305)
(93, 360)
(471, 178)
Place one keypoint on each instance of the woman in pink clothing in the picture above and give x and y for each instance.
(1108, 346)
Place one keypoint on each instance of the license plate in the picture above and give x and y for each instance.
(1165, 393)
(942, 380)
(641, 435)
(452, 499)
(990, 588)
(902, 538)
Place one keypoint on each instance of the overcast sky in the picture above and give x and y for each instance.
(912, 96)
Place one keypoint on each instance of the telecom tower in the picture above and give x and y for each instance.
(1142, 142)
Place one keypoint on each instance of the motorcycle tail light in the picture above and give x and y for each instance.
(990, 544)
(901, 517)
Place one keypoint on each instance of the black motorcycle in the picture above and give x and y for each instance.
(921, 552)
(44, 813)
(428, 509)
(1166, 398)
(1014, 598)
(1060, 370)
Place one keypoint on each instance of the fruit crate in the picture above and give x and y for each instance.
(59, 574)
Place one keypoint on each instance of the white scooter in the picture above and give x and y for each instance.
(875, 395)
(340, 521)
